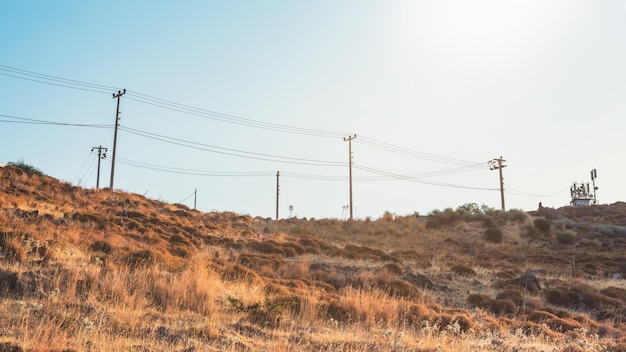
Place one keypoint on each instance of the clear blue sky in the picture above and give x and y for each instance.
(238, 90)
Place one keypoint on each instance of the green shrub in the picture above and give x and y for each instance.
(437, 219)
(468, 209)
(493, 234)
(566, 238)
(28, 169)
(542, 224)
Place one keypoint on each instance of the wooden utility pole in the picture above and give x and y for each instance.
(277, 192)
(349, 140)
(497, 164)
(117, 123)
(101, 156)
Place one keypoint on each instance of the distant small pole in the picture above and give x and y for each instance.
(499, 167)
(117, 123)
(277, 191)
(101, 156)
(349, 140)
(195, 197)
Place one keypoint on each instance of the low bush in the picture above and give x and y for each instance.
(493, 234)
(27, 168)
(469, 209)
(511, 295)
(566, 238)
(542, 224)
(437, 219)
(101, 246)
(563, 298)
(495, 306)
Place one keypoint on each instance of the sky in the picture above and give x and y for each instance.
(222, 95)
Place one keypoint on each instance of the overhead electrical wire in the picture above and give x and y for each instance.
(185, 199)
(209, 114)
(286, 174)
(417, 154)
(418, 180)
(175, 170)
(229, 151)
(91, 170)
(521, 193)
(82, 167)
(55, 80)
(24, 120)
(162, 103)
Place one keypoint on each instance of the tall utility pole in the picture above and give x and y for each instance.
(277, 191)
(117, 123)
(349, 140)
(497, 164)
(195, 197)
(101, 156)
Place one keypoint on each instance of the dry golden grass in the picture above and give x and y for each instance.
(94, 270)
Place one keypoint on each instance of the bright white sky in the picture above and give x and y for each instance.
(447, 85)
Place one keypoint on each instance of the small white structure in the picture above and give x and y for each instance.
(582, 195)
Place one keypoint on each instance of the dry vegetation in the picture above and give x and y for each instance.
(93, 270)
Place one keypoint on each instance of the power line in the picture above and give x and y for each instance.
(24, 120)
(213, 115)
(287, 174)
(88, 171)
(162, 103)
(60, 82)
(181, 171)
(416, 154)
(405, 178)
(183, 142)
(91, 170)
(230, 151)
(82, 167)
(185, 199)
(228, 118)
(522, 193)
(464, 165)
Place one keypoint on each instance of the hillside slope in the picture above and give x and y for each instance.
(94, 270)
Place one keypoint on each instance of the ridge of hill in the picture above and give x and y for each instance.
(95, 270)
